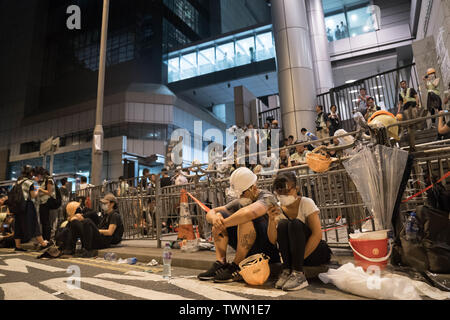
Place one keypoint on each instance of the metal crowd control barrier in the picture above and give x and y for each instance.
(148, 210)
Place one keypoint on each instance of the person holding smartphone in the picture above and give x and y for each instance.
(295, 226)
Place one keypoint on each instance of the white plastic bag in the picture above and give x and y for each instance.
(386, 286)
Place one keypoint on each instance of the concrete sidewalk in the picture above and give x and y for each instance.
(146, 250)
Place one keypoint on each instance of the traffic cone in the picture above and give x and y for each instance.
(185, 227)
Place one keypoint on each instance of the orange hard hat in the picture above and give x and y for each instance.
(255, 269)
(431, 71)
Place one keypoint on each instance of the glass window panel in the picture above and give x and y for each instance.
(264, 46)
(174, 69)
(245, 51)
(360, 21)
(206, 61)
(225, 56)
(188, 65)
(336, 27)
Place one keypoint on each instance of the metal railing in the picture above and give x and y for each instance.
(274, 114)
(149, 210)
(383, 87)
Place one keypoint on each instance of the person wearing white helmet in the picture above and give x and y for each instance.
(242, 224)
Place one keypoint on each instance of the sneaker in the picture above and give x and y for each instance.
(20, 250)
(212, 272)
(296, 281)
(282, 279)
(228, 274)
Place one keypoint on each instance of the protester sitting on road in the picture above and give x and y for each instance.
(297, 230)
(3, 202)
(26, 223)
(93, 237)
(242, 224)
(6, 229)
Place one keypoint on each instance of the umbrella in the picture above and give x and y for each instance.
(377, 173)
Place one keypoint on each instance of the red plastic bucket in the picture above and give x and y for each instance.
(368, 252)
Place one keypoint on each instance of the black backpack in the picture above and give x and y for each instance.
(53, 203)
(16, 200)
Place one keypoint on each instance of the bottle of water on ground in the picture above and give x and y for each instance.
(78, 246)
(110, 256)
(412, 227)
(167, 261)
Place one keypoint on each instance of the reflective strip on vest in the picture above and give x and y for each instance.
(408, 97)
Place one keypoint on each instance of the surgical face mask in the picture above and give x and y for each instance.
(104, 207)
(286, 201)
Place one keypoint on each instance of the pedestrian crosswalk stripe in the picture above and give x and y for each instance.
(60, 285)
(195, 286)
(24, 291)
(19, 265)
(133, 291)
(242, 288)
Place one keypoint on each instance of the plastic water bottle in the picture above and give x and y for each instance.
(167, 261)
(131, 260)
(110, 256)
(78, 246)
(412, 227)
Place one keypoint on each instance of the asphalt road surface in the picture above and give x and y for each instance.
(24, 277)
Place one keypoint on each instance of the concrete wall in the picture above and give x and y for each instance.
(432, 47)
(237, 14)
(394, 13)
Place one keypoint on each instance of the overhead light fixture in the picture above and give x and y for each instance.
(350, 81)
(353, 91)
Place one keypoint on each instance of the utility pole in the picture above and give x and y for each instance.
(97, 141)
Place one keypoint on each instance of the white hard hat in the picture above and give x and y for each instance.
(241, 179)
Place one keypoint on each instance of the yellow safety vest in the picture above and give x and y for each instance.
(432, 88)
(407, 98)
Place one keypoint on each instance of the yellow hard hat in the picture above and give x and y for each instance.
(431, 71)
(255, 269)
(399, 117)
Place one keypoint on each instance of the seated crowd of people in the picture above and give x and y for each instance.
(37, 209)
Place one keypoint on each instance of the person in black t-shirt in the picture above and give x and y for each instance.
(109, 231)
(111, 226)
(165, 179)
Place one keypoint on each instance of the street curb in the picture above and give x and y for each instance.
(176, 261)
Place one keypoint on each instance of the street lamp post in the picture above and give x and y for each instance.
(97, 142)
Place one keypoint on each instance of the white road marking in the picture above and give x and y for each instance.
(19, 265)
(60, 285)
(24, 291)
(242, 288)
(196, 286)
(133, 291)
(10, 255)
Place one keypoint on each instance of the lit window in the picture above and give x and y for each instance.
(245, 51)
(206, 61)
(225, 56)
(188, 65)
